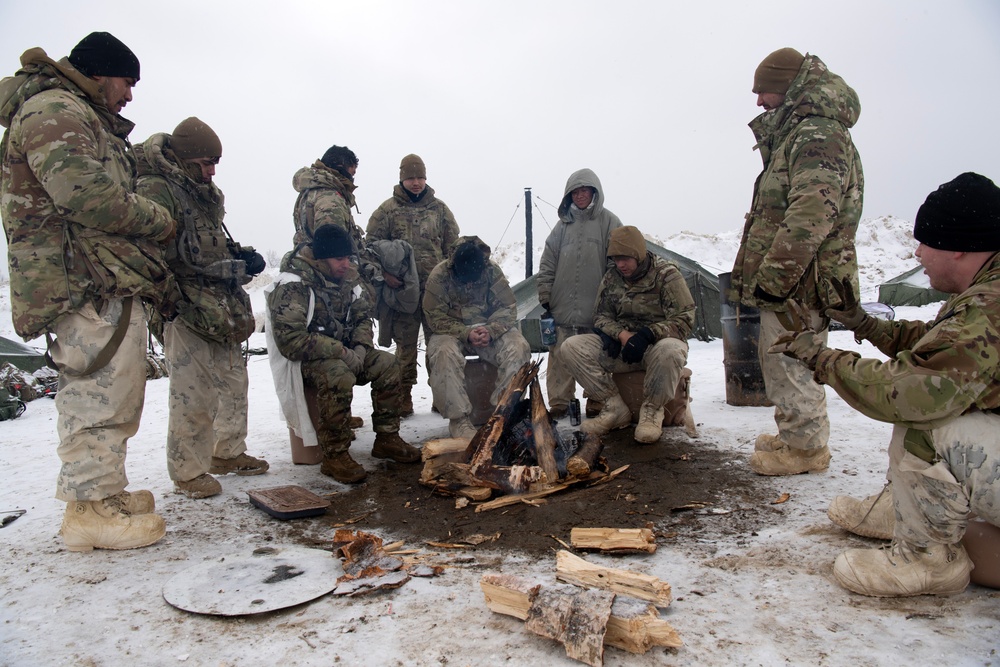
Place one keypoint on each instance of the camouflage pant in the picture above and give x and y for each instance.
(799, 402)
(208, 401)
(559, 383)
(446, 357)
(97, 413)
(405, 334)
(334, 383)
(933, 501)
(592, 367)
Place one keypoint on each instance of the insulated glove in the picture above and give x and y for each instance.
(254, 260)
(611, 345)
(635, 348)
(850, 313)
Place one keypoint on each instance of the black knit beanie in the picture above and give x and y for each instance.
(339, 158)
(103, 54)
(469, 262)
(962, 215)
(331, 241)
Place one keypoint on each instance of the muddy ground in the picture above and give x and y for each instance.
(683, 488)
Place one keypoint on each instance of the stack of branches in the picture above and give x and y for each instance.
(517, 451)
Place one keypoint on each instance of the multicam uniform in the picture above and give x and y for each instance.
(325, 198)
(341, 317)
(569, 275)
(430, 228)
(82, 246)
(941, 390)
(799, 233)
(452, 310)
(208, 318)
(657, 298)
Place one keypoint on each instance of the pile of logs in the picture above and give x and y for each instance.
(517, 451)
(602, 607)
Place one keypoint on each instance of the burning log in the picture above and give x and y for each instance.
(585, 458)
(480, 450)
(545, 441)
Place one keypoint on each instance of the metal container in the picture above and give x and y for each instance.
(574, 411)
(548, 326)
(740, 340)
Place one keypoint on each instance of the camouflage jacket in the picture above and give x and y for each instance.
(427, 225)
(657, 298)
(453, 308)
(325, 198)
(341, 315)
(209, 298)
(799, 233)
(937, 371)
(576, 255)
(76, 230)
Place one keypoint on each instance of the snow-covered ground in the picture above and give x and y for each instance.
(752, 599)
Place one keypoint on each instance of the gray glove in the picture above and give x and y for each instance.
(355, 359)
(849, 313)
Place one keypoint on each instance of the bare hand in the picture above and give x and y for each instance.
(391, 280)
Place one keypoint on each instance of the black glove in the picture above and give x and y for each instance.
(849, 313)
(612, 346)
(253, 259)
(635, 348)
(546, 308)
(765, 296)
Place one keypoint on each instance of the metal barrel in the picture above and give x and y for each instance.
(740, 339)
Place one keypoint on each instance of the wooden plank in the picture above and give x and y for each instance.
(613, 539)
(575, 570)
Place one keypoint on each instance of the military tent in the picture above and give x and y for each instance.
(704, 286)
(20, 355)
(909, 289)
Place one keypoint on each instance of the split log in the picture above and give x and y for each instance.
(480, 449)
(575, 570)
(576, 618)
(634, 625)
(613, 539)
(541, 428)
(508, 479)
(585, 458)
(444, 448)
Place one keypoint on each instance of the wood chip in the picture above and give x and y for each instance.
(783, 498)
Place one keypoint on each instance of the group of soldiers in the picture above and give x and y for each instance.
(108, 241)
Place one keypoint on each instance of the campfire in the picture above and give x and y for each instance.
(518, 451)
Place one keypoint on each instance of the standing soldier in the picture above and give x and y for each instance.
(798, 240)
(207, 319)
(84, 249)
(413, 214)
(642, 321)
(568, 276)
(321, 318)
(470, 310)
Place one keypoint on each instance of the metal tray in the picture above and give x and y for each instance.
(288, 502)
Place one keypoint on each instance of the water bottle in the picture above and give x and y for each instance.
(548, 329)
(574, 411)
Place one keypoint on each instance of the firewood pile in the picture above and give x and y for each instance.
(518, 452)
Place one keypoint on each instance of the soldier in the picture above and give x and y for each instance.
(207, 318)
(320, 317)
(941, 391)
(470, 310)
(798, 239)
(642, 320)
(567, 279)
(415, 215)
(83, 250)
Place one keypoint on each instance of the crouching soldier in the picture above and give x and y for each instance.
(208, 317)
(643, 317)
(320, 316)
(470, 310)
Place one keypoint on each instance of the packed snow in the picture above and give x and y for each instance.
(750, 599)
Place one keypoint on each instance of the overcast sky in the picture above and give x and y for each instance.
(653, 96)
